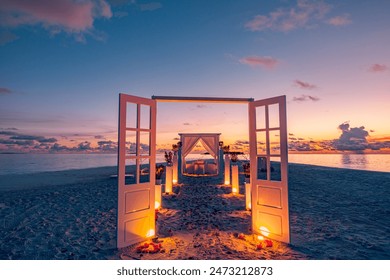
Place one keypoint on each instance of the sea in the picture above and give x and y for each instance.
(34, 163)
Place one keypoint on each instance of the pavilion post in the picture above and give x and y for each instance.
(179, 165)
(220, 160)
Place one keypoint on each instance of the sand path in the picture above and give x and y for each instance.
(202, 221)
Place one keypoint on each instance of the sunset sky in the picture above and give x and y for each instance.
(64, 62)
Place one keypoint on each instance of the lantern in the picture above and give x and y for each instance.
(227, 169)
(235, 186)
(168, 179)
(157, 197)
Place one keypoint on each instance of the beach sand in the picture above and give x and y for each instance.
(334, 214)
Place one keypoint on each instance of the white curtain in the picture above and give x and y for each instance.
(188, 143)
(210, 143)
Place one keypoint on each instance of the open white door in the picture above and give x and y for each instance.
(136, 169)
(269, 170)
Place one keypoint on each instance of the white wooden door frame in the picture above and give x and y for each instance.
(270, 209)
(136, 221)
(136, 207)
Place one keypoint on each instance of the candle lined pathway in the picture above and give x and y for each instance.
(204, 220)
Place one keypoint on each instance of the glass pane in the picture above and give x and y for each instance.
(144, 170)
(262, 168)
(145, 116)
(273, 116)
(131, 115)
(260, 117)
(130, 177)
(274, 139)
(145, 143)
(131, 143)
(276, 172)
(261, 142)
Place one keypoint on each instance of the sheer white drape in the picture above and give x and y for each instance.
(210, 143)
(188, 143)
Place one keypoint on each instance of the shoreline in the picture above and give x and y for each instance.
(33, 163)
(71, 176)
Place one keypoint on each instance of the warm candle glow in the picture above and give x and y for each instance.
(227, 169)
(174, 181)
(150, 233)
(168, 179)
(248, 196)
(264, 231)
(157, 197)
(260, 237)
(235, 183)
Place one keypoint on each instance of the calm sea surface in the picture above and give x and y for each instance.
(32, 163)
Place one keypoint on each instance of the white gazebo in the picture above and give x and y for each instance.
(210, 142)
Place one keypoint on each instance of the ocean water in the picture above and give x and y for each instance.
(32, 163)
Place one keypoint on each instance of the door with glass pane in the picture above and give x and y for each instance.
(136, 169)
(269, 170)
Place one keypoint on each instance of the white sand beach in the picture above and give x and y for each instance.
(335, 214)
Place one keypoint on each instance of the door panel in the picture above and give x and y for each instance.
(269, 168)
(136, 169)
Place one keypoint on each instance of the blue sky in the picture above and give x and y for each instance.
(64, 63)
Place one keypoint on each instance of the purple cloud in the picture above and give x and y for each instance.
(70, 16)
(375, 68)
(4, 91)
(304, 85)
(260, 61)
(283, 19)
(351, 138)
(303, 98)
(340, 20)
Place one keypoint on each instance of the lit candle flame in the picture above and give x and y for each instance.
(157, 204)
(150, 233)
